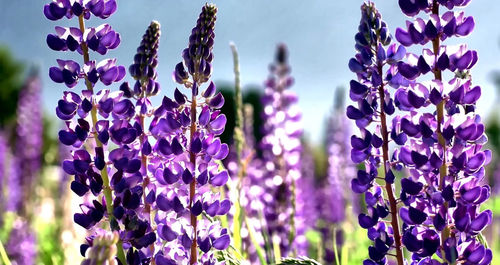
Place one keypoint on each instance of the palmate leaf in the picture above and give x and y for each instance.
(298, 261)
(226, 256)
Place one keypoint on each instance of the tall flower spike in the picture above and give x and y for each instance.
(145, 61)
(281, 148)
(87, 119)
(370, 147)
(187, 130)
(444, 191)
(306, 198)
(198, 55)
(134, 189)
(22, 246)
(340, 170)
(4, 148)
(29, 138)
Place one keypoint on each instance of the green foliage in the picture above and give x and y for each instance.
(49, 250)
(3, 255)
(493, 203)
(356, 245)
(298, 261)
(253, 237)
(227, 256)
(7, 225)
(10, 84)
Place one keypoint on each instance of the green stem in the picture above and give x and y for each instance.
(253, 238)
(276, 249)
(3, 254)
(239, 139)
(335, 250)
(104, 172)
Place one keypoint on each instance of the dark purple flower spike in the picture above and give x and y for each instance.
(86, 115)
(443, 152)
(373, 109)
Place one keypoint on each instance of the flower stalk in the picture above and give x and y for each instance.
(389, 187)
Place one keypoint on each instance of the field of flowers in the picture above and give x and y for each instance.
(126, 170)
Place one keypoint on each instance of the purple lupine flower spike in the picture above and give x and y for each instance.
(334, 201)
(14, 190)
(11, 193)
(188, 151)
(29, 140)
(372, 111)
(4, 148)
(143, 70)
(340, 168)
(281, 149)
(135, 192)
(22, 246)
(87, 116)
(306, 214)
(444, 191)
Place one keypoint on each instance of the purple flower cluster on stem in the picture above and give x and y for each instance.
(22, 246)
(306, 199)
(4, 148)
(440, 147)
(374, 105)
(443, 151)
(340, 168)
(281, 149)
(200, 124)
(89, 139)
(158, 186)
(29, 139)
(5, 170)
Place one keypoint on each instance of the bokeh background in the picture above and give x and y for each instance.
(318, 33)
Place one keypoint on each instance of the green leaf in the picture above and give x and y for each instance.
(298, 261)
(3, 254)
(228, 257)
(258, 248)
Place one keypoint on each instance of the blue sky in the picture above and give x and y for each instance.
(319, 34)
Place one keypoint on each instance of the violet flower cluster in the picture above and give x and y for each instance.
(281, 148)
(22, 245)
(340, 168)
(29, 140)
(371, 146)
(88, 130)
(438, 138)
(149, 183)
(4, 150)
(193, 123)
(334, 200)
(443, 152)
(306, 201)
(20, 164)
